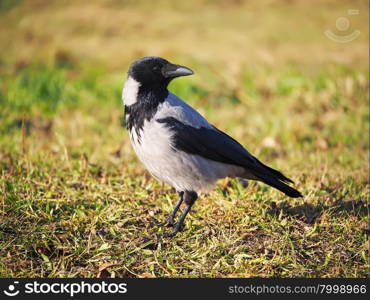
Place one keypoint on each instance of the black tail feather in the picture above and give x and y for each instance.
(286, 189)
(277, 180)
(280, 176)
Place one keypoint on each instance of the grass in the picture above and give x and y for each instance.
(76, 202)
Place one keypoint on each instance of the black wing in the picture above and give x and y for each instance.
(216, 145)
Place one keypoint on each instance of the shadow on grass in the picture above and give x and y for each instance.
(309, 213)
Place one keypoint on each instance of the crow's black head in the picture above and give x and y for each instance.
(156, 71)
(146, 87)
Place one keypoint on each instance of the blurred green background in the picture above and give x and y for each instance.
(73, 195)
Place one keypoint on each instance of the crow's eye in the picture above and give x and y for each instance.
(156, 68)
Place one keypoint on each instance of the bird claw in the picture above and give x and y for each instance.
(172, 233)
(168, 234)
(170, 222)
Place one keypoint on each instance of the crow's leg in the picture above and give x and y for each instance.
(189, 198)
(171, 219)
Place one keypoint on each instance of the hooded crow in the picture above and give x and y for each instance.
(177, 145)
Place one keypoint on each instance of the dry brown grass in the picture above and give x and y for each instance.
(217, 33)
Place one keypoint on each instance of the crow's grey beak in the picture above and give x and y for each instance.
(172, 71)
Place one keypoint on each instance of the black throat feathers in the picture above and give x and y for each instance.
(144, 108)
